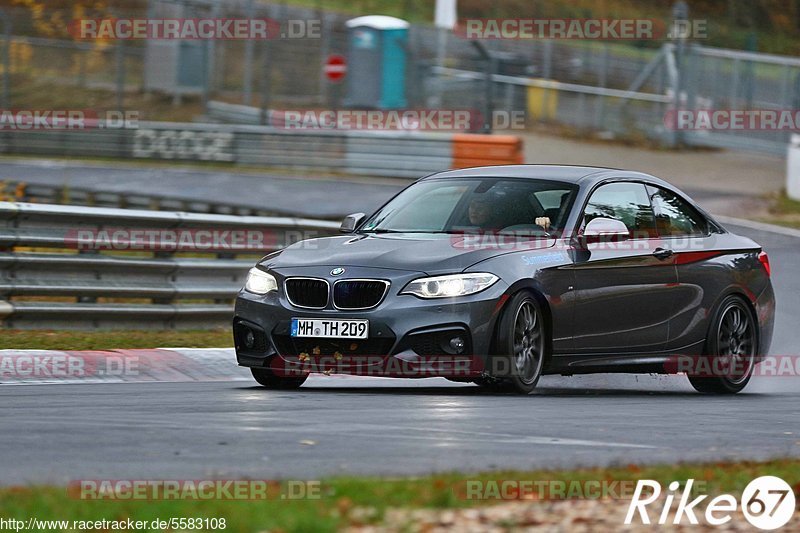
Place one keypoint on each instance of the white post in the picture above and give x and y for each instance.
(444, 18)
(793, 168)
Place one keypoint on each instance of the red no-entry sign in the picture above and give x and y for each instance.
(335, 67)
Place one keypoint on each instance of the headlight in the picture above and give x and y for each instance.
(449, 286)
(259, 282)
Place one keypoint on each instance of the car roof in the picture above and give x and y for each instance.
(586, 177)
(567, 173)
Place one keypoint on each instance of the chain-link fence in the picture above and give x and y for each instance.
(614, 88)
(718, 79)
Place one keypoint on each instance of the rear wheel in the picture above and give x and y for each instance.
(520, 346)
(268, 379)
(731, 350)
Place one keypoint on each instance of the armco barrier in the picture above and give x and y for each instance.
(122, 284)
(43, 193)
(478, 150)
(409, 154)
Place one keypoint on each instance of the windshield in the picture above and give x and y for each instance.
(516, 206)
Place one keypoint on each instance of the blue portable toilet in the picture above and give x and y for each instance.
(376, 73)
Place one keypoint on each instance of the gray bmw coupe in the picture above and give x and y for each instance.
(498, 275)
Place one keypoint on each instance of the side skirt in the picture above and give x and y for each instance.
(644, 363)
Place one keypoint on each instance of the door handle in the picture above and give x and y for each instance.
(663, 253)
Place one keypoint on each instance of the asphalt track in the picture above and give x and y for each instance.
(344, 425)
(307, 196)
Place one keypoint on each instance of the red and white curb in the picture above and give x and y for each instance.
(175, 365)
(25, 367)
(165, 365)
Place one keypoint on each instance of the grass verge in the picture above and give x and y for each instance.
(16, 339)
(352, 501)
(784, 211)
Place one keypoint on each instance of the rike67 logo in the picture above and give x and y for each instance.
(767, 503)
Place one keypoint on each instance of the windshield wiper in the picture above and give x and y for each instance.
(415, 231)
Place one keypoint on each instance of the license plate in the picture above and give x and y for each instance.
(330, 329)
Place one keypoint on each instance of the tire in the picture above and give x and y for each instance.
(733, 335)
(268, 379)
(520, 346)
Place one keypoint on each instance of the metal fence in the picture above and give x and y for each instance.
(733, 80)
(598, 95)
(616, 89)
(84, 267)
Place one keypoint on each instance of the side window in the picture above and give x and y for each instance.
(674, 216)
(624, 201)
(555, 204)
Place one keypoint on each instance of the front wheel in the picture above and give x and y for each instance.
(521, 344)
(731, 350)
(268, 379)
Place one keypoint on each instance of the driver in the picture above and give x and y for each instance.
(480, 212)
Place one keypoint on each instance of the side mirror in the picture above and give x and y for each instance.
(351, 222)
(605, 230)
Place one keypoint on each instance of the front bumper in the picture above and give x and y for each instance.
(408, 336)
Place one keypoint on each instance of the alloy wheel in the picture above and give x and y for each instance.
(736, 341)
(528, 342)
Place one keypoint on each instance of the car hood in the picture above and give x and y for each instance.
(428, 253)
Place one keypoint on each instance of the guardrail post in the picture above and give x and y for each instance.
(324, 52)
(266, 84)
(97, 276)
(488, 86)
(680, 13)
(600, 116)
(164, 254)
(247, 82)
(6, 103)
(120, 55)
